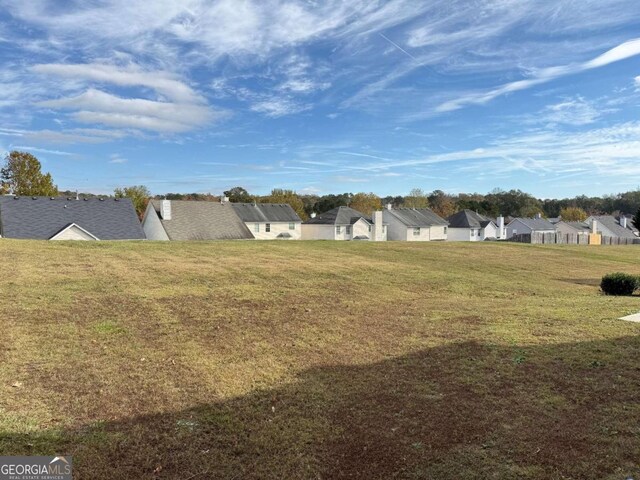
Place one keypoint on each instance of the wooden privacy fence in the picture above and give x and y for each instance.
(558, 238)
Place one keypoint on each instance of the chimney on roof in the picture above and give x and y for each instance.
(224, 199)
(594, 226)
(538, 215)
(623, 221)
(77, 196)
(378, 233)
(313, 215)
(165, 209)
(389, 206)
(501, 233)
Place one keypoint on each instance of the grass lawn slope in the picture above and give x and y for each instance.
(319, 360)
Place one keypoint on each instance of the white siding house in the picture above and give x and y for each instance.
(414, 225)
(344, 223)
(519, 226)
(470, 226)
(270, 221)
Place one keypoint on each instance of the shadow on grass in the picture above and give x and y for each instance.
(592, 282)
(458, 411)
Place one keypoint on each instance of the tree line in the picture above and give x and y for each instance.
(22, 175)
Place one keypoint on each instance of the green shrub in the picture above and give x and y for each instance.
(619, 284)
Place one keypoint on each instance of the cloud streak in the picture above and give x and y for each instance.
(621, 52)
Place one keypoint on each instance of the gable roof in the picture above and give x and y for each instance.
(265, 212)
(468, 219)
(73, 226)
(611, 223)
(417, 217)
(193, 220)
(535, 224)
(338, 216)
(41, 218)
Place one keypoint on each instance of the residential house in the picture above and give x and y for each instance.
(611, 226)
(344, 223)
(571, 228)
(72, 218)
(519, 226)
(414, 224)
(191, 220)
(470, 226)
(270, 221)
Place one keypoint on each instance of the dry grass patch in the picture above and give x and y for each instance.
(319, 360)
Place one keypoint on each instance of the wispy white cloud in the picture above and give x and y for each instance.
(183, 110)
(131, 76)
(620, 52)
(278, 107)
(41, 150)
(69, 136)
(117, 159)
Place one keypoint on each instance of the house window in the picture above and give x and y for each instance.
(292, 226)
(445, 230)
(416, 231)
(384, 228)
(267, 227)
(369, 228)
(338, 230)
(256, 228)
(348, 230)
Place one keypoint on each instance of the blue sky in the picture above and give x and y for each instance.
(325, 96)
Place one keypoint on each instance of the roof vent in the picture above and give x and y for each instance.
(101, 199)
(34, 198)
(52, 198)
(85, 199)
(313, 215)
(117, 199)
(16, 197)
(69, 198)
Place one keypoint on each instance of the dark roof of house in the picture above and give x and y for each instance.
(417, 217)
(338, 216)
(611, 223)
(192, 220)
(536, 224)
(468, 219)
(41, 218)
(266, 212)
(580, 226)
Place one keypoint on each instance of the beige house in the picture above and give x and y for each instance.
(270, 221)
(191, 220)
(344, 223)
(414, 224)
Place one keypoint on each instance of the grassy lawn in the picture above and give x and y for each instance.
(320, 360)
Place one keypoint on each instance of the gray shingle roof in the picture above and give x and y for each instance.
(41, 217)
(468, 219)
(580, 226)
(417, 217)
(266, 212)
(611, 223)
(537, 224)
(191, 220)
(338, 216)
